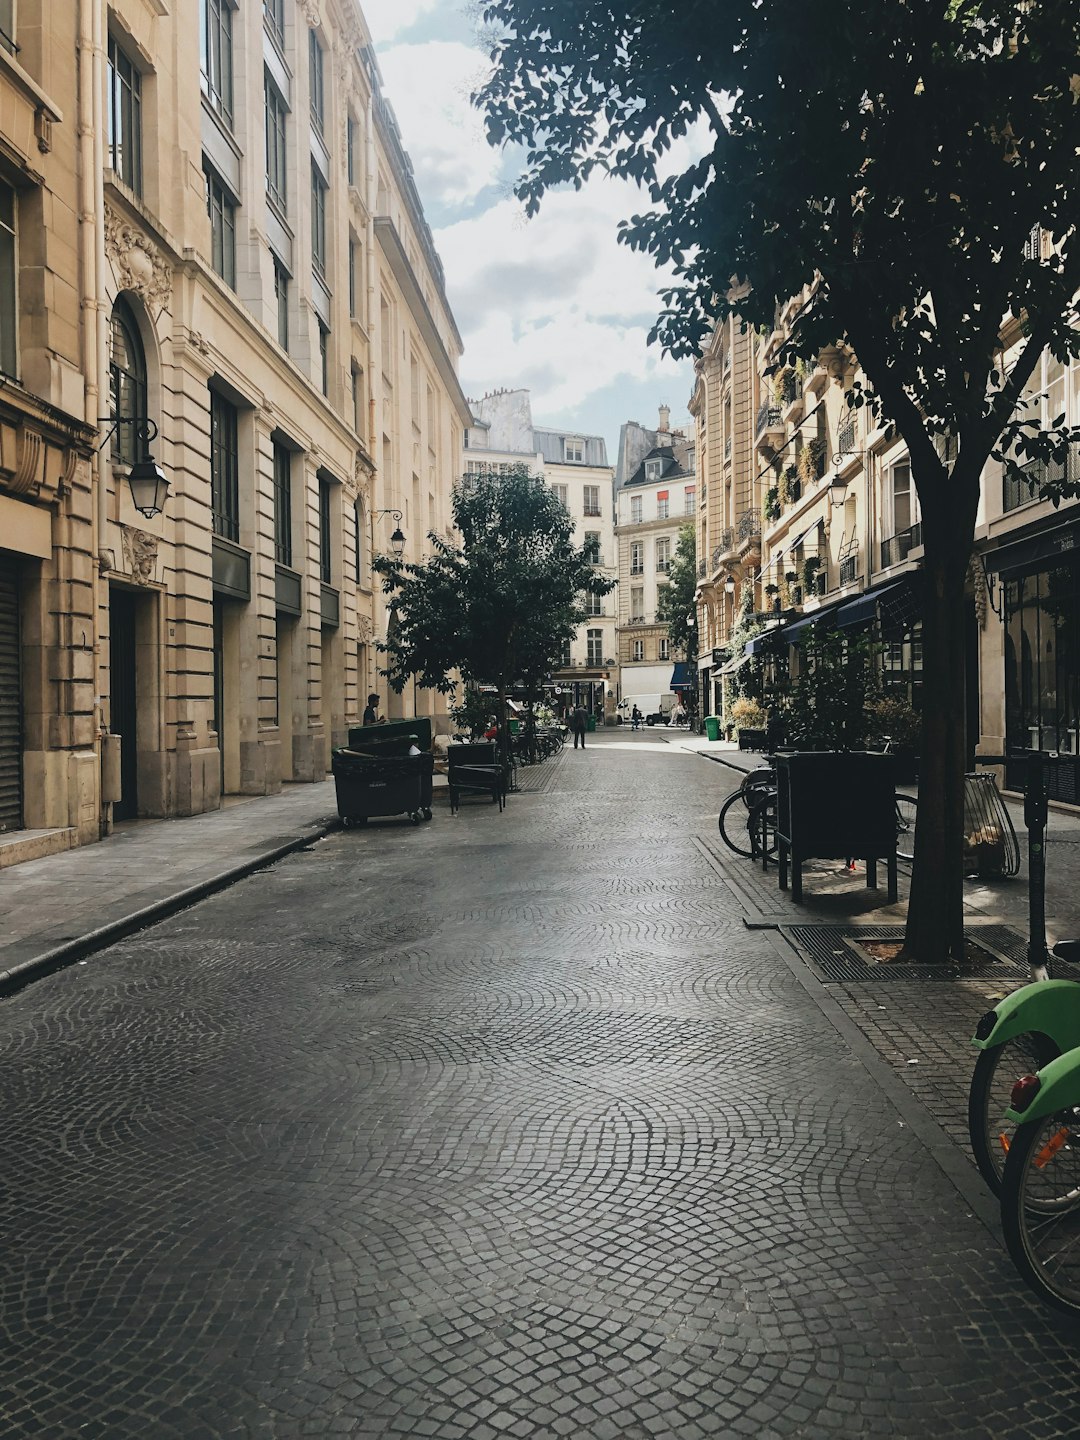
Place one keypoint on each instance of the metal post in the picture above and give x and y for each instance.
(1036, 809)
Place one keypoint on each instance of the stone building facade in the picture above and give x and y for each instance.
(250, 290)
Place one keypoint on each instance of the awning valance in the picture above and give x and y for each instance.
(863, 609)
(1036, 552)
(682, 677)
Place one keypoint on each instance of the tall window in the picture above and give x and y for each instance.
(573, 450)
(276, 162)
(352, 278)
(637, 604)
(274, 19)
(325, 567)
(665, 648)
(635, 509)
(689, 499)
(901, 498)
(639, 649)
(560, 493)
(661, 504)
(7, 26)
(594, 605)
(564, 656)
(637, 557)
(282, 505)
(215, 23)
(358, 521)
(318, 222)
(594, 647)
(350, 149)
(663, 556)
(315, 82)
(124, 119)
(592, 499)
(653, 469)
(9, 313)
(358, 407)
(221, 208)
(224, 468)
(592, 546)
(324, 358)
(281, 299)
(127, 386)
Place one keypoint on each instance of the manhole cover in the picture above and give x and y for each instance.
(833, 952)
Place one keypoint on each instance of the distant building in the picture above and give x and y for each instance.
(637, 440)
(657, 499)
(575, 466)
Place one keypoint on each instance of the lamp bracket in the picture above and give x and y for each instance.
(145, 428)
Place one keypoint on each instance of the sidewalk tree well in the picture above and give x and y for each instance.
(675, 602)
(498, 605)
(890, 166)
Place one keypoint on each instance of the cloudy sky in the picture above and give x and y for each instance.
(553, 304)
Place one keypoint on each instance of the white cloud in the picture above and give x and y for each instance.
(554, 303)
(387, 18)
(429, 87)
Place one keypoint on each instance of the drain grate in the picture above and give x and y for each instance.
(832, 951)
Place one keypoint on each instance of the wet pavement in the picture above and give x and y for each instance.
(502, 1126)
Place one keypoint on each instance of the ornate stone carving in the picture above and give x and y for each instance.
(365, 627)
(140, 555)
(22, 459)
(362, 471)
(311, 12)
(139, 264)
(977, 577)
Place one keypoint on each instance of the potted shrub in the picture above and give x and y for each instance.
(749, 719)
(890, 717)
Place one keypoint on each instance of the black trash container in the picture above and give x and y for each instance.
(835, 806)
(377, 785)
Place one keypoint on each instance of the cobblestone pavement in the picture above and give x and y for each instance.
(503, 1126)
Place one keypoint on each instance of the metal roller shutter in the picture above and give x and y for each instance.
(10, 701)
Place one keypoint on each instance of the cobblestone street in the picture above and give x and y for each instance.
(502, 1126)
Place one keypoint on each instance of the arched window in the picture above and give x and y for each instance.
(127, 385)
(362, 576)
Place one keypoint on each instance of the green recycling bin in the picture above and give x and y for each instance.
(591, 726)
(712, 727)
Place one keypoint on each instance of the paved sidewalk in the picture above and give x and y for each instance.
(54, 909)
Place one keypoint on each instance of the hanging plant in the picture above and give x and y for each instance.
(800, 370)
(784, 494)
(805, 464)
(810, 567)
(778, 388)
(770, 507)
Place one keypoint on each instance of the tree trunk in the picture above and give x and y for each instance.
(935, 922)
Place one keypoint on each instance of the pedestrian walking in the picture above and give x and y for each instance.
(580, 723)
(635, 719)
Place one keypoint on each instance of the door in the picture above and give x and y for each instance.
(10, 700)
(219, 683)
(123, 699)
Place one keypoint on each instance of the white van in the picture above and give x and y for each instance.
(655, 709)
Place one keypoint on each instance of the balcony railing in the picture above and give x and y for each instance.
(848, 571)
(1029, 487)
(768, 418)
(845, 440)
(637, 569)
(724, 547)
(749, 526)
(702, 569)
(897, 546)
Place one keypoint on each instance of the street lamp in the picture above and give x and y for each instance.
(837, 490)
(397, 539)
(147, 481)
(729, 585)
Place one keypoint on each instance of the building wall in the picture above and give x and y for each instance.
(237, 672)
(637, 676)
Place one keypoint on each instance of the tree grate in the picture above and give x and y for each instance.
(832, 952)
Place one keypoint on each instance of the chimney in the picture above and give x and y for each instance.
(665, 419)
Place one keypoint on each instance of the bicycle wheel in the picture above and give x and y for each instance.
(906, 814)
(734, 825)
(996, 1071)
(761, 826)
(1040, 1207)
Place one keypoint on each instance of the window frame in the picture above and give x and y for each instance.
(573, 450)
(9, 280)
(317, 83)
(224, 467)
(281, 301)
(319, 189)
(123, 122)
(216, 57)
(274, 21)
(635, 510)
(126, 444)
(276, 112)
(221, 209)
(637, 557)
(326, 556)
(324, 358)
(639, 650)
(592, 510)
(594, 647)
(282, 487)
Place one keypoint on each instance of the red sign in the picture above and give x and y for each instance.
(661, 494)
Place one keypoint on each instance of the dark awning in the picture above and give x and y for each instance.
(864, 608)
(826, 616)
(682, 677)
(1036, 552)
(767, 642)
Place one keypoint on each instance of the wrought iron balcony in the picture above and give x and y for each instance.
(897, 546)
(702, 569)
(848, 570)
(768, 418)
(749, 526)
(845, 440)
(1026, 489)
(725, 546)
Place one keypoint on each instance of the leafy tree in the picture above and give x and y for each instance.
(890, 160)
(498, 607)
(827, 706)
(675, 601)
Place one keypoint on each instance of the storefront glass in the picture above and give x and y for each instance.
(1042, 663)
